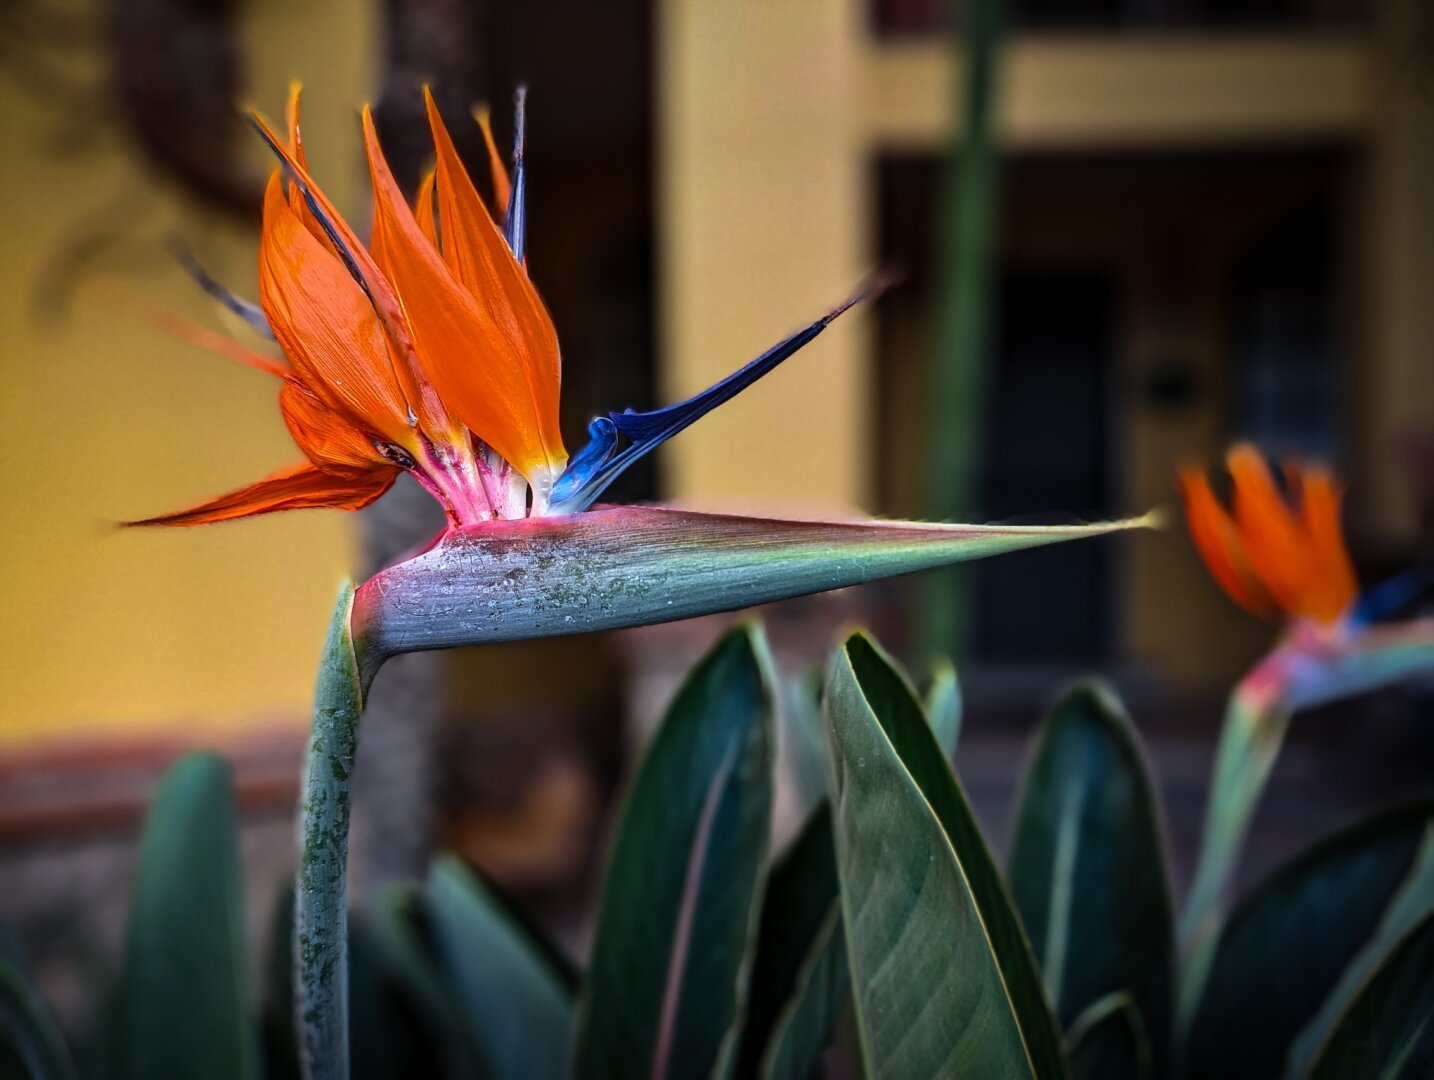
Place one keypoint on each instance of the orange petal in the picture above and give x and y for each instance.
(1218, 542)
(291, 121)
(1273, 539)
(420, 398)
(327, 439)
(424, 209)
(1335, 587)
(297, 487)
(325, 324)
(491, 352)
(502, 185)
(186, 329)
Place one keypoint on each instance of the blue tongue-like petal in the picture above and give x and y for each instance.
(515, 220)
(600, 462)
(247, 310)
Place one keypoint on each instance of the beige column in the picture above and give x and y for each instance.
(1397, 383)
(762, 220)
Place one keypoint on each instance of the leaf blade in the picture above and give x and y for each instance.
(1388, 1030)
(905, 724)
(1333, 893)
(1087, 866)
(907, 905)
(516, 1006)
(716, 737)
(185, 1009)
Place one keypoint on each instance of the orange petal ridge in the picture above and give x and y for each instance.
(326, 437)
(424, 208)
(1335, 587)
(492, 353)
(1217, 539)
(1273, 539)
(497, 167)
(325, 324)
(297, 487)
(424, 404)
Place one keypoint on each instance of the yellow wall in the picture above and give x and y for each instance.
(198, 631)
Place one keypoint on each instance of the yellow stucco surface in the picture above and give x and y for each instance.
(102, 418)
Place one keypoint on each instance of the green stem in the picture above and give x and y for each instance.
(1255, 724)
(957, 393)
(321, 989)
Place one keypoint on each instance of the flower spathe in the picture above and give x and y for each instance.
(1281, 553)
(1273, 553)
(428, 350)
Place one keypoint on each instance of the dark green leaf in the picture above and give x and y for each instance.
(1388, 1030)
(403, 937)
(1109, 1042)
(281, 1047)
(943, 707)
(1283, 948)
(802, 749)
(186, 1009)
(516, 1004)
(932, 939)
(389, 1035)
(30, 1040)
(1088, 867)
(679, 910)
(1413, 901)
(799, 978)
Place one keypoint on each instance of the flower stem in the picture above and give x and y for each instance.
(320, 946)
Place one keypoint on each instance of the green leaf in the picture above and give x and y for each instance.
(29, 1037)
(401, 935)
(1413, 901)
(281, 1047)
(679, 913)
(1388, 1030)
(802, 748)
(391, 1035)
(515, 1001)
(943, 707)
(185, 1007)
(799, 975)
(1109, 1042)
(943, 979)
(631, 566)
(1284, 947)
(1088, 867)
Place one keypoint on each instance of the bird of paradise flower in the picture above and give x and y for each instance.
(1281, 556)
(429, 351)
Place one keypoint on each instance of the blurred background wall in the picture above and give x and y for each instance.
(1215, 223)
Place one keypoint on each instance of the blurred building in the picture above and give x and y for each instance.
(1216, 223)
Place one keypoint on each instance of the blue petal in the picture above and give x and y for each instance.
(515, 222)
(247, 310)
(601, 446)
(1387, 598)
(599, 463)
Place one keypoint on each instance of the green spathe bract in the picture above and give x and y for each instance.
(632, 566)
